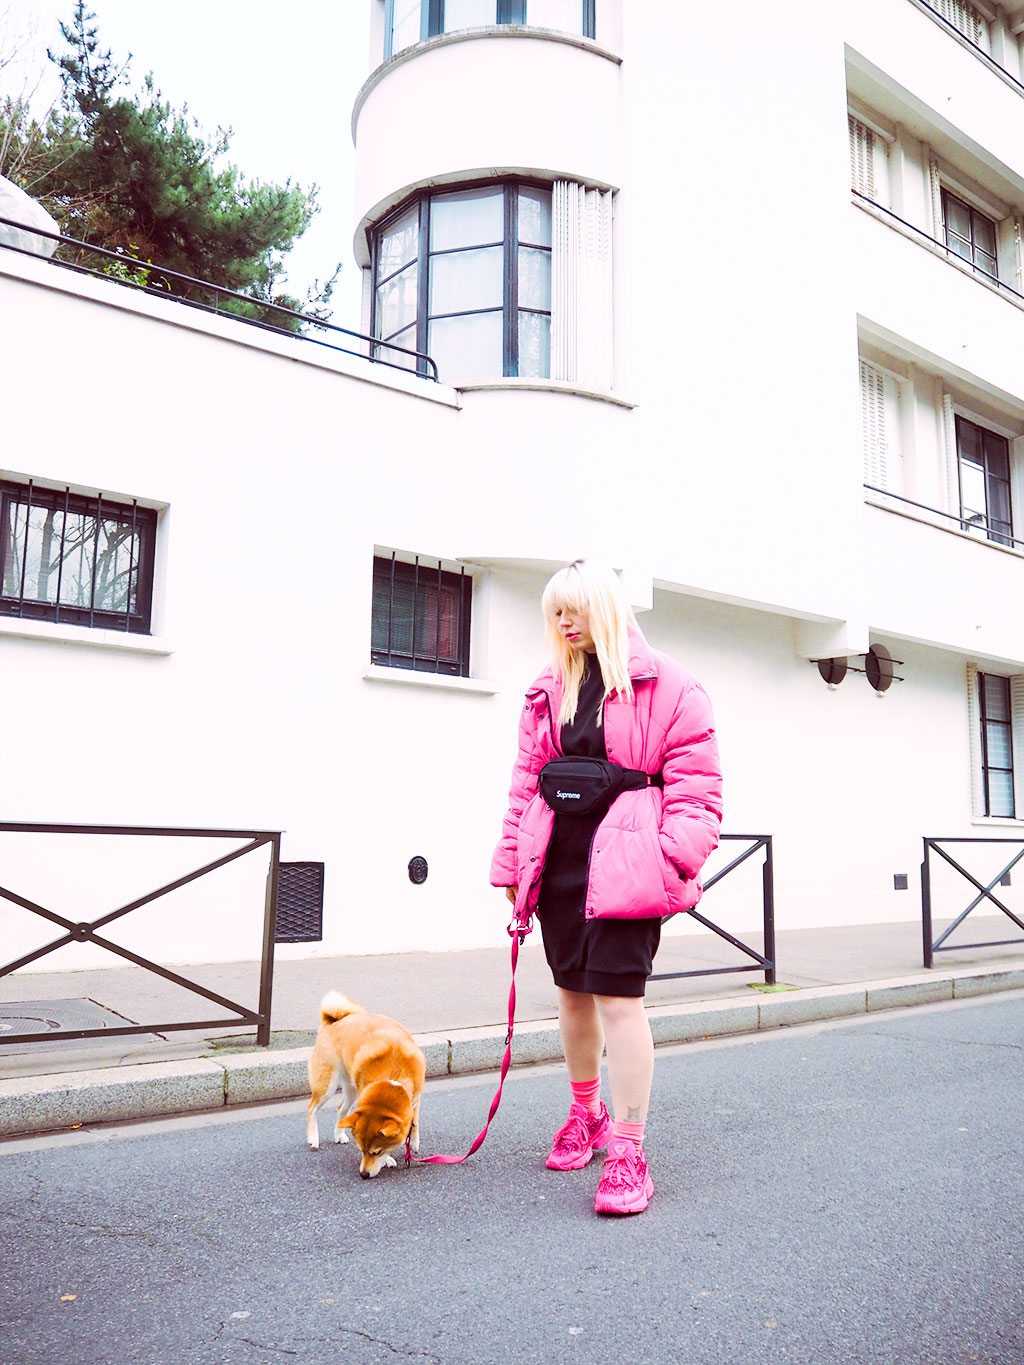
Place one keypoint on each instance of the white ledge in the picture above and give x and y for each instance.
(56, 633)
(412, 678)
(35, 270)
(545, 386)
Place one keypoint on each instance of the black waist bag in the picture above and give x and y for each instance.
(588, 786)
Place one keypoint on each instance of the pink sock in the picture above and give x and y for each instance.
(632, 1132)
(587, 1093)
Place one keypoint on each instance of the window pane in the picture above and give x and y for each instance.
(998, 745)
(406, 339)
(999, 502)
(534, 278)
(564, 15)
(997, 697)
(996, 455)
(465, 280)
(535, 217)
(467, 348)
(968, 438)
(397, 245)
(65, 555)
(1000, 794)
(972, 490)
(958, 218)
(396, 302)
(534, 346)
(467, 218)
(985, 235)
(406, 26)
(468, 14)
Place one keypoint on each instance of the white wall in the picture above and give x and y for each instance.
(727, 471)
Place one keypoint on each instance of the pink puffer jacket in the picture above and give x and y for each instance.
(652, 843)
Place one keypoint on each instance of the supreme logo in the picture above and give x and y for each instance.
(568, 796)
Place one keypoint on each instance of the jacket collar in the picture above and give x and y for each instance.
(643, 664)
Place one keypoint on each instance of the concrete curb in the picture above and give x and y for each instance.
(41, 1104)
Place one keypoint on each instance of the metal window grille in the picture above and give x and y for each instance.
(421, 616)
(79, 560)
(300, 903)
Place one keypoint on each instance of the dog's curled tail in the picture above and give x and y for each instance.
(335, 1006)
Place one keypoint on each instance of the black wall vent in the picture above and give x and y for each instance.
(300, 903)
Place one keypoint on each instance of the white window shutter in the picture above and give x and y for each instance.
(581, 285)
(1017, 717)
(974, 727)
(862, 158)
(873, 426)
(935, 194)
(966, 19)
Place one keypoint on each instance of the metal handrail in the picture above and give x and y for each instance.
(219, 290)
(938, 945)
(995, 537)
(951, 255)
(759, 961)
(85, 932)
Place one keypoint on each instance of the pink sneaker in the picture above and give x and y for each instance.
(626, 1185)
(577, 1139)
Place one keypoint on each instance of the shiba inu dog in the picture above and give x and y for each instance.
(381, 1071)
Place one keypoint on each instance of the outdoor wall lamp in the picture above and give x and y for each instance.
(879, 669)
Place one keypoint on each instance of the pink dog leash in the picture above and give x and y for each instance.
(518, 930)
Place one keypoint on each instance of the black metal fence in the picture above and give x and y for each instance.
(162, 282)
(933, 945)
(86, 931)
(763, 961)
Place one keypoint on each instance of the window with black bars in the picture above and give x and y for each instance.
(421, 616)
(997, 744)
(80, 560)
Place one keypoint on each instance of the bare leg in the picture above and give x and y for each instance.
(582, 1034)
(630, 1054)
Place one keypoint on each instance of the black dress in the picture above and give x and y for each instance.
(597, 956)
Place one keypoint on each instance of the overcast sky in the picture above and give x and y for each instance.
(283, 77)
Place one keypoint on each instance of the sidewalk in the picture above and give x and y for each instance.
(456, 1005)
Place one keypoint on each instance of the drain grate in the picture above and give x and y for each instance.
(47, 1019)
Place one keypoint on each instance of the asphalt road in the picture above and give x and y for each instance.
(848, 1193)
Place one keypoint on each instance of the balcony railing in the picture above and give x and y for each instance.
(935, 244)
(974, 525)
(160, 282)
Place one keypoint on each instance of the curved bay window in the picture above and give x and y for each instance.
(465, 276)
(414, 21)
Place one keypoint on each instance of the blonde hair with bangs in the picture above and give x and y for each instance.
(582, 586)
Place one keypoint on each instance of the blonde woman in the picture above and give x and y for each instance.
(615, 804)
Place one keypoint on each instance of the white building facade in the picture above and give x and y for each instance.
(789, 407)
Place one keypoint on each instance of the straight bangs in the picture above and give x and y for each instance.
(582, 586)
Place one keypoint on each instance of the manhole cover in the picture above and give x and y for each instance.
(49, 1018)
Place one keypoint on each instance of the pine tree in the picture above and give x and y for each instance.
(129, 173)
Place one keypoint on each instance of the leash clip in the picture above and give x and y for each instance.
(520, 927)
